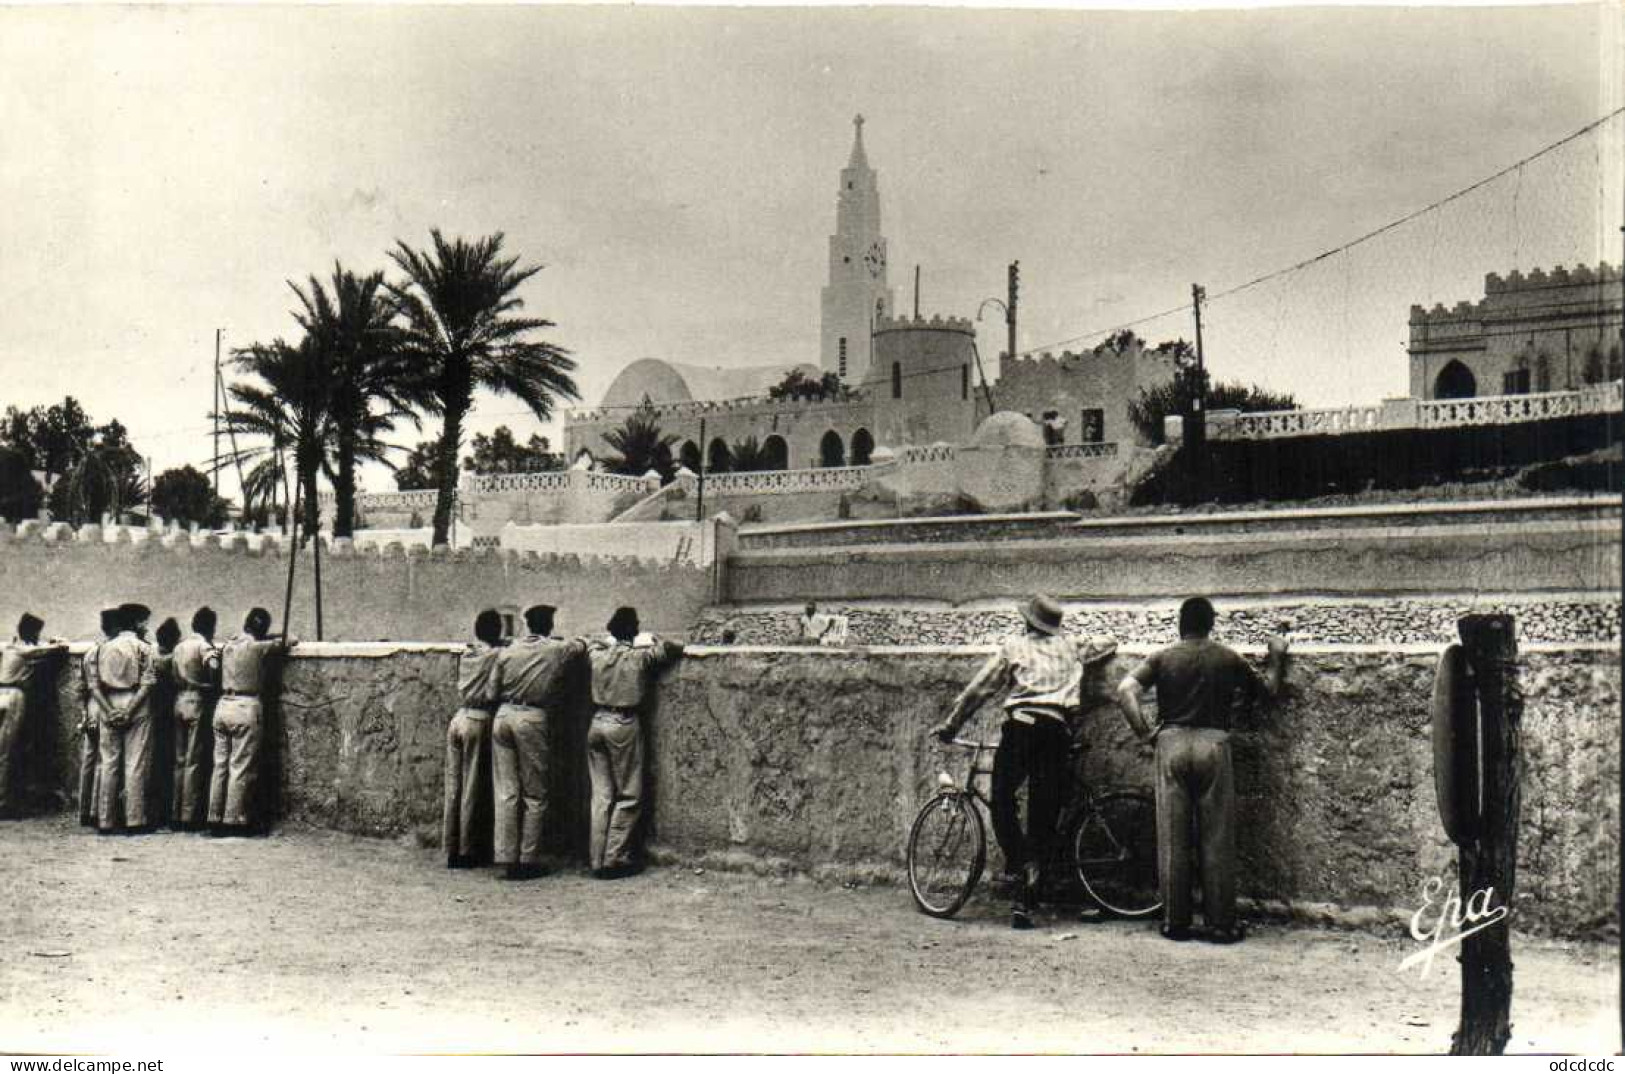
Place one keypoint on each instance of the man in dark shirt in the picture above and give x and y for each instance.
(1197, 681)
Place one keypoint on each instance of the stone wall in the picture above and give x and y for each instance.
(366, 595)
(817, 761)
(1547, 619)
(1514, 557)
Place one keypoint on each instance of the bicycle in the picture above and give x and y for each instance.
(1107, 841)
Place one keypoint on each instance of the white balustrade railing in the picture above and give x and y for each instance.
(1510, 409)
(930, 453)
(541, 481)
(768, 482)
(1267, 424)
(698, 407)
(1082, 451)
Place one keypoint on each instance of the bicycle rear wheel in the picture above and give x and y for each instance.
(1115, 851)
(947, 849)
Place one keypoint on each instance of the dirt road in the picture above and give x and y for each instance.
(311, 939)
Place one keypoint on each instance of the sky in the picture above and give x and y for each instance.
(168, 169)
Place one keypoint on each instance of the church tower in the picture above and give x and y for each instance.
(856, 296)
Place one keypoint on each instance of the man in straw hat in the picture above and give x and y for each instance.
(1042, 671)
(18, 662)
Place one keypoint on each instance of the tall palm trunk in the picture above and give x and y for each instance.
(344, 485)
(451, 439)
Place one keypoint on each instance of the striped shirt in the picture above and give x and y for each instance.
(1043, 674)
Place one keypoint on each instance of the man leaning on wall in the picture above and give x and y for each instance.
(246, 664)
(196, 670)
(533, 681)
(90, 718)
(1197, 682)
(18, 662)
(468, 745)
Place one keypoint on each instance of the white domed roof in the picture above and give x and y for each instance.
(1008, 429)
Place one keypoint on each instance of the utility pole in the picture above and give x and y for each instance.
(1010, 305)
(216, 414)
(1196, 424)
(916, 292)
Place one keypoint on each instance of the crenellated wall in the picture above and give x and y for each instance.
(66, 577)
(1547, 324)
(1101, 379)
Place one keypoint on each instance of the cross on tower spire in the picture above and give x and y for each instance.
(859, 158)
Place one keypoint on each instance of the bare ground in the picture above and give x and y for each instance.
(313, 940)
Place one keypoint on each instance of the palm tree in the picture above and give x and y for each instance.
(291, 405)
(356, 330)
(458, 301)
(639, 444)
(750, 455)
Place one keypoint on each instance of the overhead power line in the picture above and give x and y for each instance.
(1368, 236)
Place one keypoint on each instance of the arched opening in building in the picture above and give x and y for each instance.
(719, 460)
(831, 452)
(776, 452)
(689, 455)
(896, 380)
(863, 446)
(1455, 381)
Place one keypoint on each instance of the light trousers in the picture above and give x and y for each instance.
(237, 730)
(126, 766)
(615, 763)
(468, 781)
(520, 756)
(13, 704)
(191, 757)
(1195, 782)
(90, 771)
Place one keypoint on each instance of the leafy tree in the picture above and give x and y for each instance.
(372, 382)
(458, 301)
(499, 453)
(797, 385)
(20, 494)
(1176, 396)
(90, 469)
(640, 446)
(750, 455)
(418, 472)
(186, 495)
(1123, 341)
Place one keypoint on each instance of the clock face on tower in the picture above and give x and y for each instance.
(875, 259)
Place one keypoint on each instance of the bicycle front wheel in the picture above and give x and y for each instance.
(947, 849)
(1115, 850)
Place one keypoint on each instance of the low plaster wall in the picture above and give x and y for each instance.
(366, 595)
(817, 760)
(1525, 557)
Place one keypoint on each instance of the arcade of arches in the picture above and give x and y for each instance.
(773, 453)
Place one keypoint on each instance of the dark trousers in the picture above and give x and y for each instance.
(1035, 754)
(1194, 781)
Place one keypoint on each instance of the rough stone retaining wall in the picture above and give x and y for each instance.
(1524, 557)
(367, 594)
(818, 760)
(1549, 618)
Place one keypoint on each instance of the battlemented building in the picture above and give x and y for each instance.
(1544, 332)
(906, 381)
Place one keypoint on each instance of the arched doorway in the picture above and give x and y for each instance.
(1455, 381)
(831, 452)
(863, 445)
(777, 452)
(719, 459)
(689, 455)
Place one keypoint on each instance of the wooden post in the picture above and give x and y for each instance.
(1490, 864)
